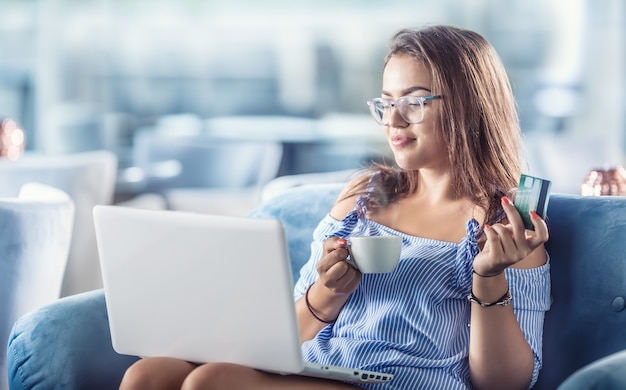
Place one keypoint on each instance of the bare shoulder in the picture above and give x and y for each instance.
(347, 198)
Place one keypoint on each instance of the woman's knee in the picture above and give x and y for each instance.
(136, 377)
(156, 373)
(219, 376)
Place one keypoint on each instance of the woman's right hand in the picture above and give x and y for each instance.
(325, 298)
(335, 273)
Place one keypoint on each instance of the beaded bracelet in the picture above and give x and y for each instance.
(503, 301)
(308, 305)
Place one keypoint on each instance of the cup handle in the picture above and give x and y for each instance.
(350, 259)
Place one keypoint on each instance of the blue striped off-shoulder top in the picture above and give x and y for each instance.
(414, 321)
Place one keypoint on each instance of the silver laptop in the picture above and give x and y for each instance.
(204, 288)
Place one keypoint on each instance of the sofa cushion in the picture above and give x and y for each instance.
(608, 373)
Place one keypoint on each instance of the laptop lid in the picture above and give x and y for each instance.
(198, 287)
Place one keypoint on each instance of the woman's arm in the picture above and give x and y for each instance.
(325, 298)
(499, 356)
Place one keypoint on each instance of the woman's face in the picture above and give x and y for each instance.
(414, 146)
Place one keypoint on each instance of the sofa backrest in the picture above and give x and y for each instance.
(587, 249)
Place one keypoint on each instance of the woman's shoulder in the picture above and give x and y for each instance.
(346, 200)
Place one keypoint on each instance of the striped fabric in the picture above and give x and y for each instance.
(414, 321)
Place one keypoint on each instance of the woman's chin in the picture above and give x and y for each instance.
(405, 164)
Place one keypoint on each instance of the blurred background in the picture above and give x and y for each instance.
(157, 82)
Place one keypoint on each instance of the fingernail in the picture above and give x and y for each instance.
(342, 241)
(487, 226)
(506, 201)
(534, 215)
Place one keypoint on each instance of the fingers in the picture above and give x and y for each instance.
(506, 244)
(334, 243)
(520, 234)
(515, 219)
(335, 251)
(541, 230)
(333, 269)
(341, 277)
(500, 241)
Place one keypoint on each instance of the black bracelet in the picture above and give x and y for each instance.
(503, 301)
(308, 305)
(486, 276)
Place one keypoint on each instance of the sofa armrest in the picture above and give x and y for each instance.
(66, 344)
(608, 373)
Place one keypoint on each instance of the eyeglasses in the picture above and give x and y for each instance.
(411, 108)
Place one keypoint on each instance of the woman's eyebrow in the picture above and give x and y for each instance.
(407, 91)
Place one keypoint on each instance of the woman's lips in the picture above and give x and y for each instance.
(401, 140)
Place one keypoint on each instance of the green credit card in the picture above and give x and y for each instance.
(533, 194)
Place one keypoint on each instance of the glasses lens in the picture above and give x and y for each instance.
(377, 109)
(411, 108)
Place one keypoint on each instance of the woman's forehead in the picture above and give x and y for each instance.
(404, 74)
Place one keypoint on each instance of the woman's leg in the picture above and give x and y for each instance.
(231, 376)
(157, 373)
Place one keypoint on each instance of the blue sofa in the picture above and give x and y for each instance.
(66, 345)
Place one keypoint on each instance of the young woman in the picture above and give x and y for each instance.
(464, 308)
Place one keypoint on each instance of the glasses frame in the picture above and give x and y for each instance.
(389, 104)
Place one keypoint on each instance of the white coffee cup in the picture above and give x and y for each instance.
(375, 254)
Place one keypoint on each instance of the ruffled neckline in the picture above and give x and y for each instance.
(466, 249)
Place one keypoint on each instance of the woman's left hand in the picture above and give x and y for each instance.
(507, 244)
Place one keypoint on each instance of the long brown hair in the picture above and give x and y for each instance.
(477, 120)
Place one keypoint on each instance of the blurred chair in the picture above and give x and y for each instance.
(35, 237)
(89, 179)
(566, 158)
(203, 173)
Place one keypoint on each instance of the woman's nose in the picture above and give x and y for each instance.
(395, 118)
